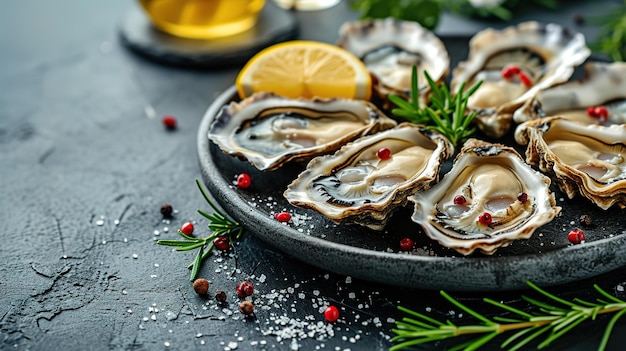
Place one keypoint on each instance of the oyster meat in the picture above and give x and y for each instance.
(390, 48)
(604, 84)
(356, 185)
(489, 199)
(585, 159)
(269, 130)
(544, 54)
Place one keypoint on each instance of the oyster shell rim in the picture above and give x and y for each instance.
(478, 148)
(375, 216)
(563, 175)
(276, 161)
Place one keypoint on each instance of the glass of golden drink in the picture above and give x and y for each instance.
(203, 19)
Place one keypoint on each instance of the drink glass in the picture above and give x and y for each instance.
(203, 19)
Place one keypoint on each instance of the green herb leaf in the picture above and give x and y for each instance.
(219, 225)
(445, 113)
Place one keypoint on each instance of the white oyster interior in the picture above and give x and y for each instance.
(390, 48)
(585, 159)
(603, 84)
(270, 130)
(355, 186)
(547, 54)
(491, 178)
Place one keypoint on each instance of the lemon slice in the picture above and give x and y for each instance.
(308, 69)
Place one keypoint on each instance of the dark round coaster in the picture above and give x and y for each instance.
(138, 34)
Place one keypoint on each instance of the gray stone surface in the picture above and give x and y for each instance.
(85, 165)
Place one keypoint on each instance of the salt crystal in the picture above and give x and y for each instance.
(166, 344)
(116, 222)
(100, 222)
(135, 256)
(149, 111)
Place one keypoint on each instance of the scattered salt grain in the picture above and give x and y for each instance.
(99, 222)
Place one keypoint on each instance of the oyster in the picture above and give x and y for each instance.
(589, 160)
(490, 198)
(390, 48)
(604, 84)
(269, 130)
(355, 185)
(545, 54)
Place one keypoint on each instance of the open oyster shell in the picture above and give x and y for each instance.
(604, 84)
(589, 160)
(269, 130)
(356, 186)
(491, 178)
(390, 48)
(546, 53)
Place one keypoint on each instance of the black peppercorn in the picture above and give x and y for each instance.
(166, 210)
(585, 220)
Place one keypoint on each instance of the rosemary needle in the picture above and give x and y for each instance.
(445, 113)
(219, 225)
(552, 318)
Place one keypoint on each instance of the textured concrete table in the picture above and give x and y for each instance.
(85, 165)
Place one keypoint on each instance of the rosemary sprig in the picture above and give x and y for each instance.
(445, 113)
(219, 225)
(553, 319)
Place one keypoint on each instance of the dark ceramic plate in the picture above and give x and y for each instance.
(546, 259)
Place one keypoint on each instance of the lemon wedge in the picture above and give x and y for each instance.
(301, 68)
